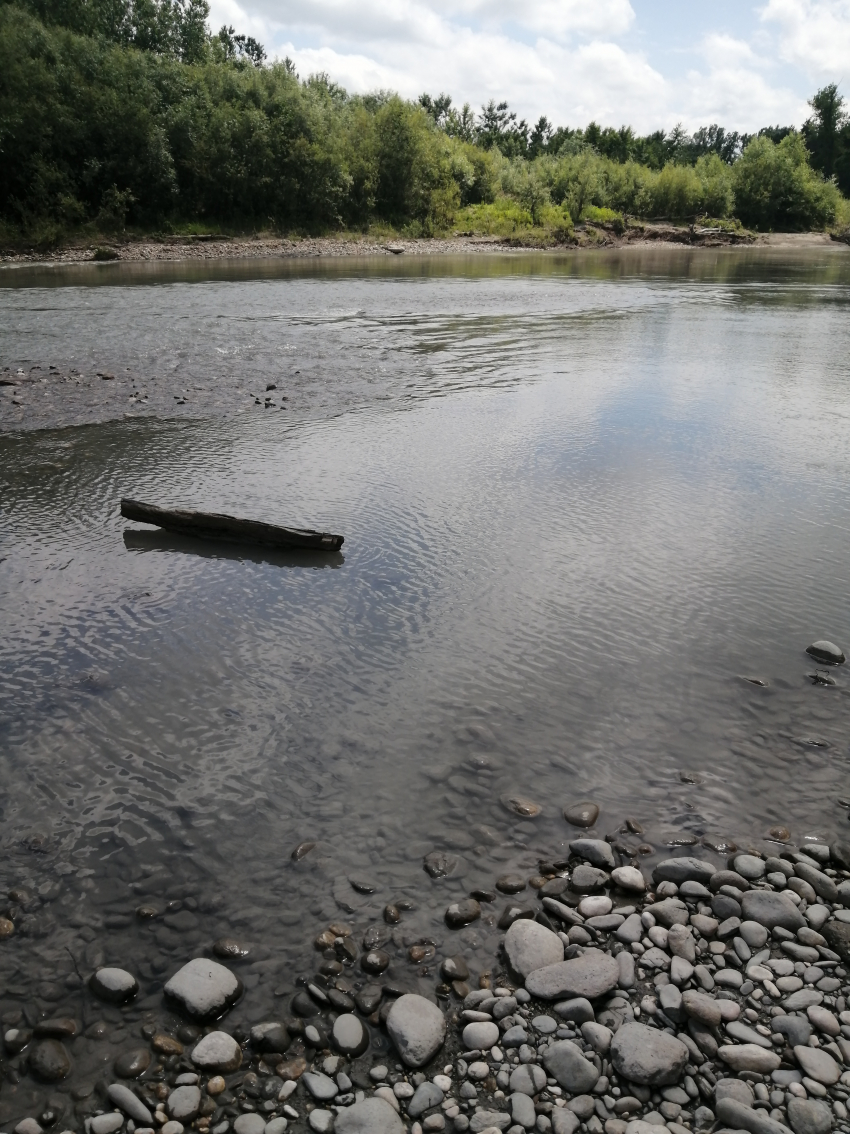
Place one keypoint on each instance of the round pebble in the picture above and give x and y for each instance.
(115, 986)
(582, 814)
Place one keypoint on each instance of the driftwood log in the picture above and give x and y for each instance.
(228, 529)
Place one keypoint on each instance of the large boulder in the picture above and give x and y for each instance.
(417, 1028)
(592, 974)
(531, 946)
(648, 1057)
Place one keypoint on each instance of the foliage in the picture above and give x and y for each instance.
(827, 136)
(776, 188)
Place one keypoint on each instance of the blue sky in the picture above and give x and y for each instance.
(650, 63)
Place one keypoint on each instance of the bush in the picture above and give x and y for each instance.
(776, 188)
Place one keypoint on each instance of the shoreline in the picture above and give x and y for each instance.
(589, 237)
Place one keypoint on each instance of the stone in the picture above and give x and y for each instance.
(28, 1126)
(218, 1052)
(670, 912)
(837, 934)
(462, 913)
(740, 1032)
(582, 1105)
(629, 878)
(680, 942)
(172, 1127)
(805, 998)
(228, 949)
(581, 814)
(439, 864)
(565, 1062)
(49, 1061)
(426, 1096)
(480, 1035)
(578, 1010)
(826, 652)
(487, 1121)
(795, 1029)
(184, 1103)
(646, 1056)
(596, 905)
(749, 866)
(349, 1036)
(130, 1103)
(631, 930)
(527, 1079)
(736, 1116)
(249, 1124)
(595, 851)
(771, 910)
(417, 1028)
(626, 965)
(532, 946)
(754, 934)
(522, 1110)
(320, 1121)
(585, 879)
(592, 974)
(564, 1121)
(115, 986)
(839, 852)
(106, 1123)
(734, 1089)
(321, 1086)
(598, 1036)
(818, 1065)
(821, 883)
(749, 1057)
(681, 870)
(132, 1064)
(701, 1007)
(808, 1116)
(204, 989)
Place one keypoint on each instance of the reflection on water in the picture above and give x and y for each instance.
(576, 510)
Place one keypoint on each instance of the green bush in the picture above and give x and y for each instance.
(776, 188)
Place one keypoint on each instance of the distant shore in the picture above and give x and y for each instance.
(215, 247)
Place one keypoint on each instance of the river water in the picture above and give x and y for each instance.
(582, 499)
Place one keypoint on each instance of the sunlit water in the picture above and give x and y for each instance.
(580, 499)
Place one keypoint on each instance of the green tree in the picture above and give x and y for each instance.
(827, 135)
(776, 188)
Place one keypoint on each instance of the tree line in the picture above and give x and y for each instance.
(132, 112)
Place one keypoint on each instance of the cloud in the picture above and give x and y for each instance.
(813, 35)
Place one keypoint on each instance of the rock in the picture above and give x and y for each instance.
(564, 1121)
(701, 1007)
(372, 1116)
(750, 867)
(462, 913)
(531, 946)
(349, 1036)
(818, 1065)
(826, 652)
(426, 1096)
(417, 1028)
(522, 1111)
(228, 949)
(681, 870)
(739, 1031)
(321, 1121)
(106, 1123)
(736, 1116)
(28, 1126)
(218, 1052)
(590, 975)
(130, 1103)
(808, 1116)
(646, 1056)
(481, 1036)
(528, 1079)
(565, 1062)
(805, 998)
(629, 878)
(837, 934)
(440, 864)
(487, 1120)
(670, 912)
(519, 805)
(511, 884)
(598, 1036)
(771, 910)
(749, 1057)
(271, 1035)
(839, 852)
(821, 883)
(321, 1086)
(581, 814)
(595, 851)
(584, 879)
(184, 1103)
(754, 934)
(823, 1020)
(204, 989)
(681, 943)
(172, 1127)
(115, 986)
(49, 1061)
(132, 1064)
(249, 1124)
(734, 1089)
(626, 965)
(795, 1029)
(578, 1010)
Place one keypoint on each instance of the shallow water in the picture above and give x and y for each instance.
(580, 497)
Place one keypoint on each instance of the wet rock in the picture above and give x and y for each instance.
(581, 814)
(115, 986)
(595, 851)
(519, 805)
(132, 1064)
(417, 1028)
(439, 864)
(301, 850)
(375, 961)
(585, 879)
(647, 1057)
(184, 1103)
(629, 878)
(590, 975)
(826, 652)
(565, 1062)
(749, 1057)
(808, 1116)
(679, 870)
(372, 1116)
(272, 1035)
(839, 852)
(771, 910)
(462, 913)
(818, 1065)
(49, 1061)
(229, 949)
(531, 946)
(511, 883)
(349, 1036)
(454, 968)
(321, 1086)
(218, 1052)
(131, 1104)
(204, 989)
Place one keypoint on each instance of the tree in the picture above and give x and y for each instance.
(776, 188)
(498, 129)
(437, 108)
(827, 135)
(541, 136)
(240, 46)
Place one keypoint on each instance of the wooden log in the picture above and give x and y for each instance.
(229, 529)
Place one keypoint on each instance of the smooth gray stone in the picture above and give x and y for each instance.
(821, 883)
(532, 946)
(754, 934)
(115, 986)
(839, 852)
(631, 930)
(749, 1057)
(739, 1117)
(217, 1052)
(670, 999)
(565, 1062)
(249, 1124)
(809, 1116)
(736, 1089)
(679, 870)
(585, 879)
(528, 1079)
(425, 1096)
(578, 1010)
(648, 1057)
(514, 1037)
(183, 1104)
(702, 1007)
(417, 1028)
(739, 1031)
(320, 1121)
(837, 934)
(605, 922)
(480, 1036)
(106, 1123)
(349, 1036)
(49, 1061)
(629, 878)
(626, 965)
(598, 1036)
(785, 1078)
(595, 851)
(771, 910)
(204, 988)
(670, 912)
(130, 1103)
(582, 814)
(805, 998)
(522, 1110)
(484, 1118)
(818, 1065)
(590, 975)
(321, 1086)
(750, 867)
(564, 1121)
(826, 652)
(372, 1116)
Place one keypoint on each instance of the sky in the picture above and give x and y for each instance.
(646, 63)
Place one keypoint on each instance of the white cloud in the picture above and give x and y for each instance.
(813, 35)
